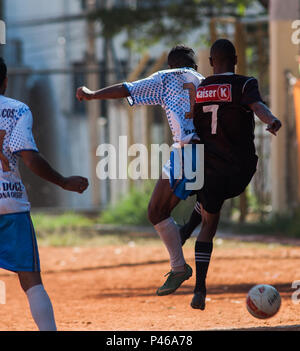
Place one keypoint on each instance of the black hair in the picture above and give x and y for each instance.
(3, 70)
(223, 50)
(182, 56)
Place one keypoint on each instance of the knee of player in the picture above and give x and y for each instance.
(210, 221)
(152, 214)
(156, 214)
(29, 279)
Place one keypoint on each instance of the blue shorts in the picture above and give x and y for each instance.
(18, 245)
(179, 185)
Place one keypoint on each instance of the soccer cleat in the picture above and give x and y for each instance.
(174, 280)
(183, 235)
(198, 301)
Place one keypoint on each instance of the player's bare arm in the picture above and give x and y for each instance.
(116, 91)
(266, 116)
(38, 165)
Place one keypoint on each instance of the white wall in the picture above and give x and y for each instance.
(55, 46)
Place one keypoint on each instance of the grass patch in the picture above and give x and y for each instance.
(77, 239)
(82, 239)
(133, 208)
(75, 229)
(68, 220)
(277, 225)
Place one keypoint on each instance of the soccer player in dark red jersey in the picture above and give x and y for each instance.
(224, 121)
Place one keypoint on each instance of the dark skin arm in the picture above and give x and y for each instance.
(266, 116)
(117, 91)
(39, 166)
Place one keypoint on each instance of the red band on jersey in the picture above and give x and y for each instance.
(214, 92)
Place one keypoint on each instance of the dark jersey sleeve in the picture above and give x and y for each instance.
(251, 92)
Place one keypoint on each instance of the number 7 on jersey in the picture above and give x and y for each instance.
(214, 116)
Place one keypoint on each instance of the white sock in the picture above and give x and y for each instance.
(41, 308)
(169, 233)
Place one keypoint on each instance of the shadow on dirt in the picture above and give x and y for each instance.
(213, 291)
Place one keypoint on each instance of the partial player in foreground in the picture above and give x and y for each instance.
(174, 89)
(18, 245)
(224, 121)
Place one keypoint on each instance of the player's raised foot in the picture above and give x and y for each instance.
(184, 235)
(198, 301)
(174, 280)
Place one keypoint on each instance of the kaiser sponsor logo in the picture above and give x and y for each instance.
(214, 92)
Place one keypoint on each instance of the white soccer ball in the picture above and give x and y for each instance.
(263, 301)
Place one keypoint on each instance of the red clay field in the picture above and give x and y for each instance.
(113, 288)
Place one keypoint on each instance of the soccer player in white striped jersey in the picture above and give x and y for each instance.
(18, 245)
(174, 89)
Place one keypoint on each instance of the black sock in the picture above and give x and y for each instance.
(194, 220)
(203, 252)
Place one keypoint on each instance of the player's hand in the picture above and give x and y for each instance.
(76, 184)
(83, 93)
(274, 126)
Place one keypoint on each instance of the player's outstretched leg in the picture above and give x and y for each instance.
(187, 229)
(39, 301)
(162, 202)
(203, 251)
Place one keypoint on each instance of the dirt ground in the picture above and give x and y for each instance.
(113, 288)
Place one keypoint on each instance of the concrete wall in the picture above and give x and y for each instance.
(283, 56)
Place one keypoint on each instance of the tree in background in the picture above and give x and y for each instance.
(169, 22)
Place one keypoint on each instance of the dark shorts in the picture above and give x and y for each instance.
(217, 187)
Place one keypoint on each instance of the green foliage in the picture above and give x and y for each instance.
(279, 225)
(131, 210)
(152, 21)
(288, 224)
(51, 222)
